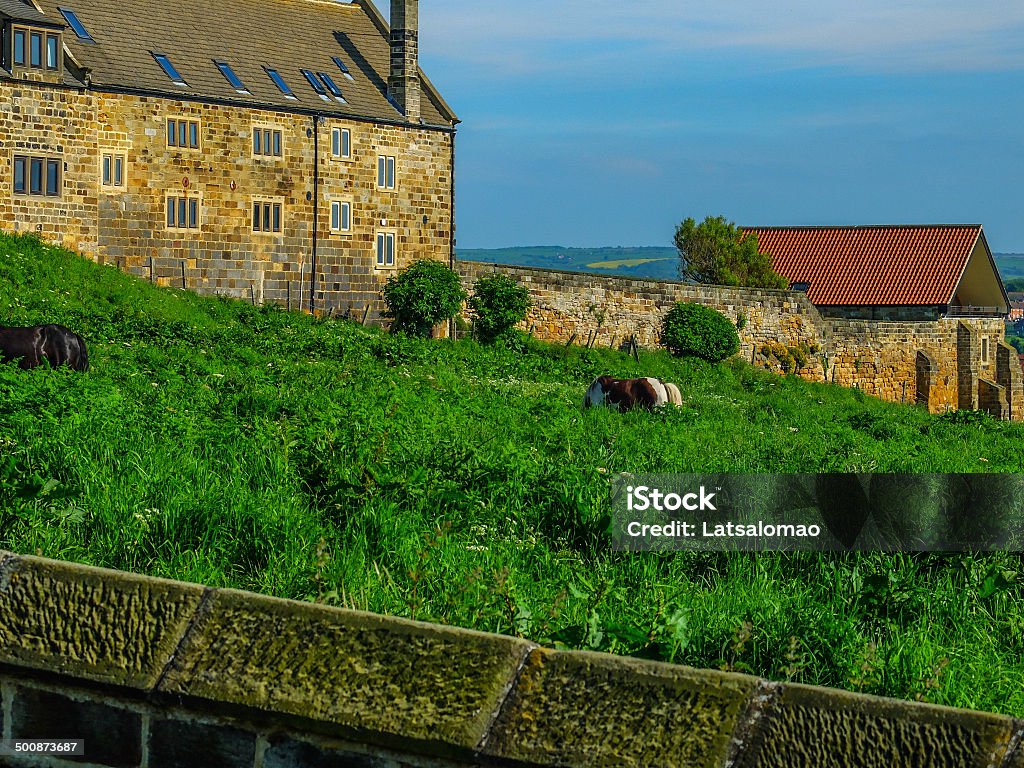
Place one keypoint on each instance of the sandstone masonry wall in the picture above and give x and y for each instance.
(162, 674)
(128, 225)
(576, 305)
(937, 362)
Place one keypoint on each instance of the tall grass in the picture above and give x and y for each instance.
(232, 445)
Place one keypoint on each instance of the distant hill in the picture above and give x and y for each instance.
(1010, 265)
(656, 262)
(647, 261)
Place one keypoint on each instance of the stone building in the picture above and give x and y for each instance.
(918, 308)
(287, 150)
(907, 313)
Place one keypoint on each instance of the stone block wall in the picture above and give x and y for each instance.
(128, 225)
(575, 305)
(937, 362)
(1011, 378)
(52, 122)
(162, 674)
(992, 399)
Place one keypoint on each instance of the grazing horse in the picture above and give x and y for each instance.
(626, 394)
(53, 343)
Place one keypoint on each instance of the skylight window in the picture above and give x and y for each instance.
(280, 83)
(169, 70)
(230, 76)
(75, 23)
(331, 86)
(317, 85)
(342, 67)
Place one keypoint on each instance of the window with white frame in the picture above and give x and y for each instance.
(385, 250)
(182, 212)
(341, 143)
(385, 172)
(112, 171)
(341, 216)
(984, 349)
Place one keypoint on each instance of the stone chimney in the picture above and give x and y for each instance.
(404, 81)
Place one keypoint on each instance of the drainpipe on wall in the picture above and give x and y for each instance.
(316, 208)
(451, 228)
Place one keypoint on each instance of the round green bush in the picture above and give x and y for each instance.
(695, 330)
(497, 304)
(423, 295)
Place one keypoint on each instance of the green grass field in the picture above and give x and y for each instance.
(231, 445)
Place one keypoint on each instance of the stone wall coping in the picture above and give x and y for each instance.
(551, 272)
(446, 692)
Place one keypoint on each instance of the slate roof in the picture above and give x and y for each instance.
(285, 35)
(19, 11)
(874, 265)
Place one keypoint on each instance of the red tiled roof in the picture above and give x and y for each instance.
(879, 265)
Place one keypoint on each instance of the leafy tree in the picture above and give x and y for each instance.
(717, 252)
(423, 295)
(691, 329)
(498, 303)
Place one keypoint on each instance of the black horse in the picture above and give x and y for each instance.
(53, 343)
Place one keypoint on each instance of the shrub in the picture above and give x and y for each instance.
(422, 296)
(693, 329)
(497, 304)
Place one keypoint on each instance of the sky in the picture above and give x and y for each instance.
(607, 122)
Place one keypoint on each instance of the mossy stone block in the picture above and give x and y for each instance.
(813, 727)
(364, 674)
(1017, 759)
(91, 623)
(592, 709)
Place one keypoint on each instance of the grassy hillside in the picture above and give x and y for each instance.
(221, 443)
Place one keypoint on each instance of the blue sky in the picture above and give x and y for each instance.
(604, 122)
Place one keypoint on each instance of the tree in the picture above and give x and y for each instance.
(717, 252)
(498, 303)
(422, 296)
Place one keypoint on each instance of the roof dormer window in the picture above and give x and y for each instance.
(230, 76)
(35, 48)
(342, 66)
(19, 46)
(315, 84)
(52, 52)
(280, 83)
(331, 86)
(76, 24)
(169, 69)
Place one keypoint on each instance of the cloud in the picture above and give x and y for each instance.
(574, 37)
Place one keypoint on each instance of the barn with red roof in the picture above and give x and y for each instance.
(908, 312)
(889, 272)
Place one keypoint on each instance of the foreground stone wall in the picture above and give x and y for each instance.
(127, 225)
(164, 674)
(936, 362)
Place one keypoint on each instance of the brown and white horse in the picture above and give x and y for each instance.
(32, 345)
(626, 394)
